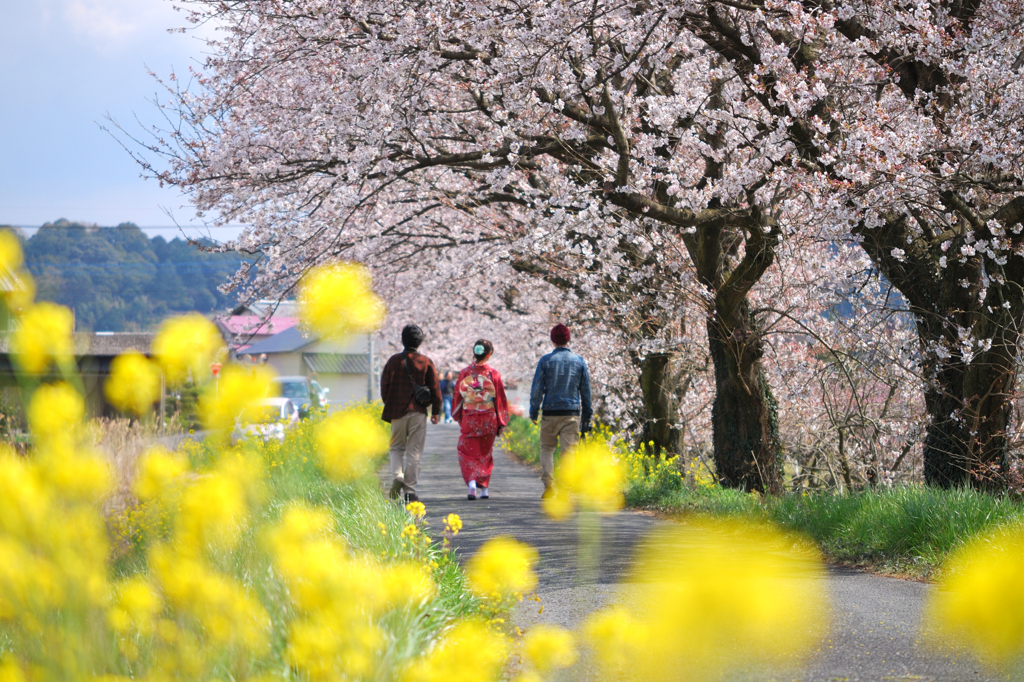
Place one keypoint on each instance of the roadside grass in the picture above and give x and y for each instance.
(907, 531)
(521, 438)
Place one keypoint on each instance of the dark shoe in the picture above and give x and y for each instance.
(484, 495)
(471, 496)
(411, 497)
(547, 494)
(396, 488)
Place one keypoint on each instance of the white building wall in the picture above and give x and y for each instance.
(345, 389)
(287, 364)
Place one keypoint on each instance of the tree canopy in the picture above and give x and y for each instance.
(118, 279)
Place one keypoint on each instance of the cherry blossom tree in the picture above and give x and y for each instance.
(603, 128)
(907, 118)
(620, 151)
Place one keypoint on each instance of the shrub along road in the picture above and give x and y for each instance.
(876, 622)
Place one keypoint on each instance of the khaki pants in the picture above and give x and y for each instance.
(553, 429)
(408, 434)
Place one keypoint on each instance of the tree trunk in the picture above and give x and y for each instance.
(748, 452)
(968, 316)
(661, 429)
(969, 407)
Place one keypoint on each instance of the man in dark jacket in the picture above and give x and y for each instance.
(408, 418)
(561, 386)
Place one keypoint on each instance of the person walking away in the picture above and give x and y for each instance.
(561, 390)
(447, 389)
(402, 374)
(481, 409)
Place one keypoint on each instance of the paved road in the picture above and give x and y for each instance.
(875, 621)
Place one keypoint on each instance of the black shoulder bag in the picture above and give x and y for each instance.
(420, 394)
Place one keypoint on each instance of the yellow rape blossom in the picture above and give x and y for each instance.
(453, 524)
(77, 476)
(25, 502)
(134, 383)
(235, 395)
(348, 442)
(55, 411)
(158, 469)
(591, 476)
(979, 601)
(21, 288)
(213, 509)
(228, 613)
(716, 595)
(406, 583)
(338, 299)
(11, 256)
(417, 509)
(188, 343)
(501, 568)
(43, 338)
(549, 647)
(136, 607)
(472, 652)
(616, 639)
(10, 671)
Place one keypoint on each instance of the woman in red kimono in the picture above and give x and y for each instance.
(481, 409)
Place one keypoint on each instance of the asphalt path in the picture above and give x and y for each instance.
(875, 631)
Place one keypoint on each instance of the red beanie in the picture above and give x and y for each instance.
(560, 335)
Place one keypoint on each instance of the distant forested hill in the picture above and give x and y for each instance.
(118, 279)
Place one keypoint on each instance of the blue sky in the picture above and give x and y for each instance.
(64, 65)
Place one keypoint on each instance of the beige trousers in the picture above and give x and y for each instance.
(408, 434)
(552, 430)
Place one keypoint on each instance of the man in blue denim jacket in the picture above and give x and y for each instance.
(561, 386)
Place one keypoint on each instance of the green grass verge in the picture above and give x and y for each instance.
(909, 530)
(522, 438)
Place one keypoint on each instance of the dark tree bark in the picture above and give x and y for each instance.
(661, 393)
(744, 420)
(968, 389)
(748, 451)
(974, 296)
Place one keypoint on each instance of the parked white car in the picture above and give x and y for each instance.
(269, 418)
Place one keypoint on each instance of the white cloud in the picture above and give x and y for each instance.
(111, 24)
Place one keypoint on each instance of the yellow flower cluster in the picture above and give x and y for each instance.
(43, 338)
(55, 412)
(471, 652)
(979, 600)
(187, 345)
(453, 524)
(417, 509)
(338, 299)
(711, 596)
(22, 287)
(210, 515)
(590, 476)
(230, 577)
(549, 647)
(134, 383)
(53, 576)
(502, 569)
(339, 596)
(234, 396)
(349, 443)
